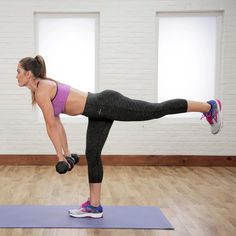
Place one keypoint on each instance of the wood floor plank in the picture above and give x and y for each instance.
(198, 201)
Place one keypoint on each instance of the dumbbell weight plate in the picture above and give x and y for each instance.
(71, 162)
(75, 157)
(62, 167)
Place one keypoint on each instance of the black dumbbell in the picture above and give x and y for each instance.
(75, 157)
(62, 166)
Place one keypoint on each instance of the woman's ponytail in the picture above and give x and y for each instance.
(41, 67)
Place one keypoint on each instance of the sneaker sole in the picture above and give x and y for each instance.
(219, 116)
(87, 215)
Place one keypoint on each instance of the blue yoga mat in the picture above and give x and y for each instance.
(115, 217)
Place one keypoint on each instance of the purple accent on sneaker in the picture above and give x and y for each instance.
(92, 209)
(213, 116)
(213, 113)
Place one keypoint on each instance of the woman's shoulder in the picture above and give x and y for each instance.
(48, 82)
(46, 87)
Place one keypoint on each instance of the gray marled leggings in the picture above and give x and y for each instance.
(105, 107)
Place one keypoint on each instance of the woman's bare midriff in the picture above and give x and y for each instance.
(75, 102)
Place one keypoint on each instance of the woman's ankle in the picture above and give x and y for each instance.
(95, 204)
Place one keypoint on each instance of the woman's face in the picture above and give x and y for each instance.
(21, 76)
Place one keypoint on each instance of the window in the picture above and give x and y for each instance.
(68, 43)
(187, 56)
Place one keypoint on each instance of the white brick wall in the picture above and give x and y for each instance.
(127, 63)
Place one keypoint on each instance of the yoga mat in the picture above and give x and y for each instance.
(53, 216)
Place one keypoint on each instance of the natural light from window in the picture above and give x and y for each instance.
(187, 57)
(68, 44)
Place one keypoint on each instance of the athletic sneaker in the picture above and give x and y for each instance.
(87, 203)
(87, 211)
(214, 116)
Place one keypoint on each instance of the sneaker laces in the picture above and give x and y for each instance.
(208, 117)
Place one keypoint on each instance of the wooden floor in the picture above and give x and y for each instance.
(197, 200)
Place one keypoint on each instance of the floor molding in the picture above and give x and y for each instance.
(127, 160)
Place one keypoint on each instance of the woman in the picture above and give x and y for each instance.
(101, 109)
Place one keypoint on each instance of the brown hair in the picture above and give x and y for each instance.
(38, 68)
(35, 65)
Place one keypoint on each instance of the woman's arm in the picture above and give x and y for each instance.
(43, 100)
(63, 137)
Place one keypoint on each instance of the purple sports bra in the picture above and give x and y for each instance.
(59, 101)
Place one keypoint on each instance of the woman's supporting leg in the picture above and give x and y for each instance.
(97, 133)
(95, 193)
